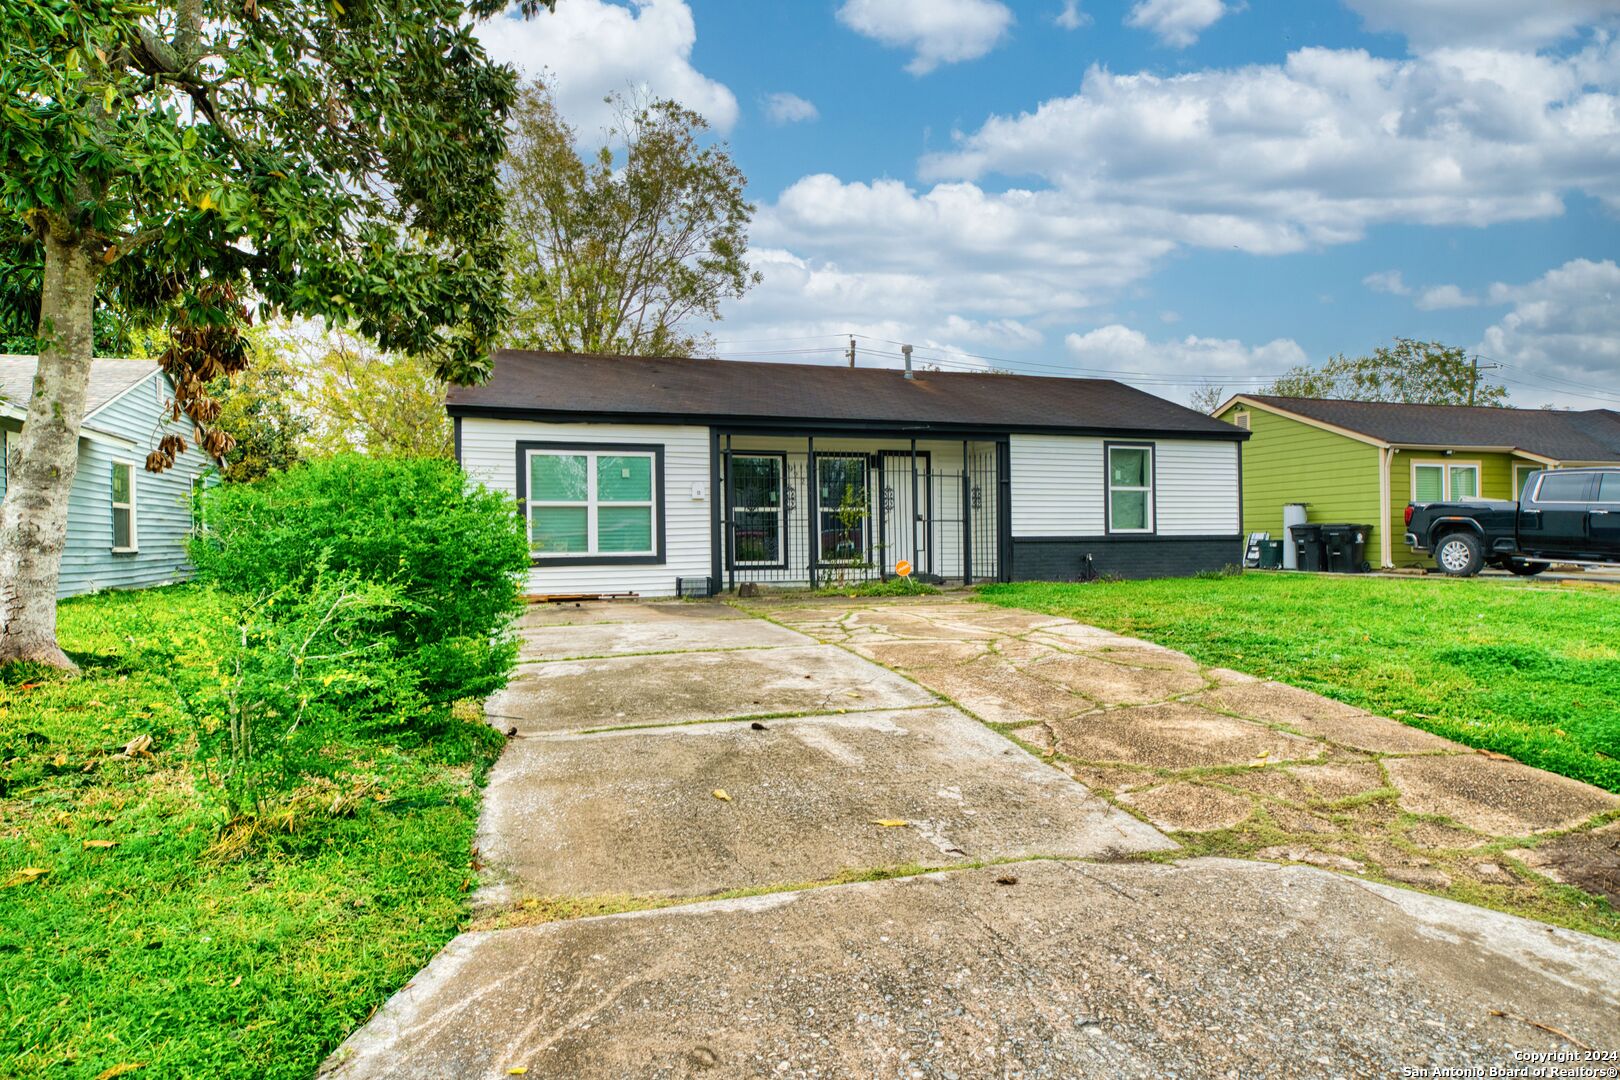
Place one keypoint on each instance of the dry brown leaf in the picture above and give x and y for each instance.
(100, 843)
(720, 793)
(25, 875)
(890, 823)
(139, 746)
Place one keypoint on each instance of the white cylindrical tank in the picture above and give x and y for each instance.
(1293, 514)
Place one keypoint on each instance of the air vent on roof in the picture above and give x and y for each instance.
(1241, 420)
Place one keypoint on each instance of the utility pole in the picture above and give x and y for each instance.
(1473, 382)
(851, 353)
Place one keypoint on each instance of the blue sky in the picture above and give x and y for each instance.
(1186, 191)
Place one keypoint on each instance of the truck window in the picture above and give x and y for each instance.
(1609, 487)
(1570, 487)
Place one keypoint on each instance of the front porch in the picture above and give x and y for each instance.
(827, 510)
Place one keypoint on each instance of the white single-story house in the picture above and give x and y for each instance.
(127, 528)
(659, 476)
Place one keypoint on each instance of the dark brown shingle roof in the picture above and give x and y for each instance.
(1593, 435)
(704, 391)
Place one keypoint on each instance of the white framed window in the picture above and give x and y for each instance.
(1444, 481)
(758, 526)
(588, 503)
(1130, 487)
(124, 535)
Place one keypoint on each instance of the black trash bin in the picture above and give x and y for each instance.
(1271, 554)
(1345, 548)
(1307, 546)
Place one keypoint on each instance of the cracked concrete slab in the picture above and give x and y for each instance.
(1207, 968)
(650, 636)
(1185, 807)
(678, 688)
(1170, 736)
(1312, 714)
(634, 812)
(1502, 797)
(1108, 681)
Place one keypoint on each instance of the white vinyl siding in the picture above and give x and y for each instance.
(489, 456)
(1058, 486)
(1196, 487)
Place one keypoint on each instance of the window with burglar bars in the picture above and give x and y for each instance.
(845, 517)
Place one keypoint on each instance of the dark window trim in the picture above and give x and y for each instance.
(659, 522)
(731, 510)
(816, 457)
(1153, 488)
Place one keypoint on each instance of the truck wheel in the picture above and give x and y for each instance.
(1459, 554)
(1526, 569)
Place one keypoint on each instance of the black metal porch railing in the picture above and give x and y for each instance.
(836, 517)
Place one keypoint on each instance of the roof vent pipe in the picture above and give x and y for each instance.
(905, 351)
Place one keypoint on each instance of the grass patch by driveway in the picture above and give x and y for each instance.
(157, 951)
(1525, 670)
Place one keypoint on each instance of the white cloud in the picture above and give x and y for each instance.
(1314, 151)
(1444, 298)
(786, 108)
(1387, 281)
(1562, 335)
(588, 49)
(1119, 348)
(1071, 17)
(937, 31)
(1177, 23)
(1504, 23)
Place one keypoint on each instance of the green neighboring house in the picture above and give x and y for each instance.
(1363, 461)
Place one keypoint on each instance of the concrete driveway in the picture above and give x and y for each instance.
(815, 866)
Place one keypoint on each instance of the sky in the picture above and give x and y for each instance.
(1171, 192)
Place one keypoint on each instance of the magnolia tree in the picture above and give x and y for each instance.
(193, 162)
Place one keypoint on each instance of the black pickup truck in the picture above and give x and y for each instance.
(1566, 515)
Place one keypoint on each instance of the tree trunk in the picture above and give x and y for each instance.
(40, 470)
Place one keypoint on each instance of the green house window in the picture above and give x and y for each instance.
(1130, 489)
(1444, 482)
(591, 503)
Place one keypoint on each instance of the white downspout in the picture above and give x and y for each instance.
(1386, 545)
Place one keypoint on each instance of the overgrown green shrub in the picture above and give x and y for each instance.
(287, 674)
(451, 554)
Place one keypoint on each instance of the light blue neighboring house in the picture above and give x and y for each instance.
(127, 528)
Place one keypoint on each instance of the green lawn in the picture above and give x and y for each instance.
(1528, 670)
(160, 953)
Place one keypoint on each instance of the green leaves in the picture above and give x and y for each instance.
(1420, 372)
(330, 159)
(616, 256)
